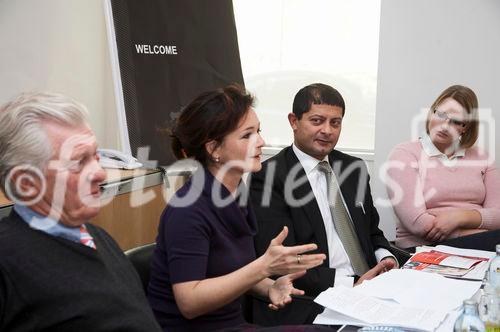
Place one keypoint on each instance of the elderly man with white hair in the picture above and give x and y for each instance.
(57, 271)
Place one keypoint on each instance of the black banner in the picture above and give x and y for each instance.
(170, 51)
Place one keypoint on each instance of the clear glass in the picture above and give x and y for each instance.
(469, 320)
(489, 309)
(494, 271)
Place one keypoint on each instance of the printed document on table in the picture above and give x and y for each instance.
(458, 251)
(477, 273)
(436, 257)
(371, 310)
(420, 289)
(330, 317)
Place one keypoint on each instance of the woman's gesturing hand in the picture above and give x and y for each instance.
(281, 291)
(281, 260)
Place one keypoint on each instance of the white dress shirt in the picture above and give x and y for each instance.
(338, 258)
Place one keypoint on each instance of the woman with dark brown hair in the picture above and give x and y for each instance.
(205, 259)
(447, 190)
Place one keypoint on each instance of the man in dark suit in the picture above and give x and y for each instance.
(296, 188)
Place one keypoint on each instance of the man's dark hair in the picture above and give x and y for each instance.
(316, 93)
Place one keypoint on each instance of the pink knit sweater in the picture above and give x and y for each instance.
(427, 186)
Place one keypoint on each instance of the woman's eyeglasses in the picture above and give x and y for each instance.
(443, 116)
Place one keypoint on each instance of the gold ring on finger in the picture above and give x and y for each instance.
(299, 257)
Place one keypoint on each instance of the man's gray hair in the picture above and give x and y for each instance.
(23, 140)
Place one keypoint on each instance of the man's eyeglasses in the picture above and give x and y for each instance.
(443, 116)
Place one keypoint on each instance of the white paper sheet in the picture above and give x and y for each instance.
(368, 309)
(406, 298)
(330, 317)
(420, 289)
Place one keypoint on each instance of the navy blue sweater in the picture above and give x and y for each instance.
(198, 241)
(49, 283)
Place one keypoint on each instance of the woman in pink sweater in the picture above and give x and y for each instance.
(444, 189)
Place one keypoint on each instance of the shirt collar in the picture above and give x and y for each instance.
(308, 162)
(47, 224)
(431, 150)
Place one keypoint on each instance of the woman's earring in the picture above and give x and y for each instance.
(217, 159)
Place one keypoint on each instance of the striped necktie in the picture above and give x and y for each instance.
(86, 238)
(343, 224)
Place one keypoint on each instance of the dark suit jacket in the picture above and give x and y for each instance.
(304, 222)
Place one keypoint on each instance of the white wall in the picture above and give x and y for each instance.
(425, 46)
(59, 45)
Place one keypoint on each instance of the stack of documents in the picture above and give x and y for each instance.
(405, 298)
(453, 262)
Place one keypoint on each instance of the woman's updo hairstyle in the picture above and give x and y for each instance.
(209, 117)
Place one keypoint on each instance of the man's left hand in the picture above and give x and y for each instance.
(384, 265)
